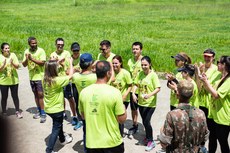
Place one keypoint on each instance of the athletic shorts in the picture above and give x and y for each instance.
(68, 93)
(36, 86)
(134, 106)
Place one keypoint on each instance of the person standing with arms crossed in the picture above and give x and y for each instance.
(9, 78)
(134, 65)
(102, 108)
(34, 58)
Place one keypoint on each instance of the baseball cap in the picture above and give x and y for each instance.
(75, 47)
(209, 52)
(190, 69)
(179, 57)
(86, 57)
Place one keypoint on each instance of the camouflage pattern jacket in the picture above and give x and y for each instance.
(184, 129)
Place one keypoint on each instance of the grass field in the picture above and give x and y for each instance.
(164, 27)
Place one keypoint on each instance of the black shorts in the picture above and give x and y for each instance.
(134, 106)
(68, 93)
(117, 149)
(36, 86)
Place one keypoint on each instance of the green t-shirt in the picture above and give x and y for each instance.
(8, 75)
(54, 96)
(36, 72)
(122, 81)
(76, 63)
(220, 108)
(147, 84)
(109, 59)
(83, 80)
(173, 98)
(213, 75)
(101, 104)
(194, 100)
(64, 54)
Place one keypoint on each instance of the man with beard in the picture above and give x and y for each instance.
(34, 58)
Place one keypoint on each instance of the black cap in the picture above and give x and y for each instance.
(190, 69)
(179, 57)
(75, 47)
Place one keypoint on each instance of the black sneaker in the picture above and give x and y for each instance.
(133, 130)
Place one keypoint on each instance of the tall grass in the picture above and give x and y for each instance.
(164, 27)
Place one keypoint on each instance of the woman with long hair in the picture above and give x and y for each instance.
(54, 102)
(9, 78)
(219, 111)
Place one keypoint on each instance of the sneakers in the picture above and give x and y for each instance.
(161, 151)
(43, 118)
(18, 115)
(150, 146)
(36, 116)
(54, 152)
(68, 139)
(65, 116)
(74, 121)
(203, 149)
(133, 130)
(78, 125)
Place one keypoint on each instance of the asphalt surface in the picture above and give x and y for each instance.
(28, 135)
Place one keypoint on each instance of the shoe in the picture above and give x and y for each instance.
(78, 126)
(161, 151)
(150, 146)
(143, 142)
(65, 116)
(54, 152)
(133, 130)
(19, 115)
(74, 121)
(203, 149)
(68, 139)
(36, 116)
(43, 118)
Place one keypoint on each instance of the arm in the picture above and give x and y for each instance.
(134, 88)
(122, 118)
(71, 68)
(25, 62)
(16, 66)
(124, 96)
(152, 93)
(3, 65)
(38, 62)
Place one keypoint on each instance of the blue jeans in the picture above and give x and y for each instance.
(57, 130)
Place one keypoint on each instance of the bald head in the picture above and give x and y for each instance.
(102, 68)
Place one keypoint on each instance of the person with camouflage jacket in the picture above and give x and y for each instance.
(185, 127)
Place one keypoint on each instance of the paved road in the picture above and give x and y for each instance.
(29, 135)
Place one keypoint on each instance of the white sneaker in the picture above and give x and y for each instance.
(68, 139)
(19, 115)
(54, 152)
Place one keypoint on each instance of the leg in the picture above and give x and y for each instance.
(68, 94)
(4, 92)
(134, 108)
(57, 130)
(76, 97)
(222, 132)
(14, 94)
(212, 137)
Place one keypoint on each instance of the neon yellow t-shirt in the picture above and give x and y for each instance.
(8, 75)
(220, 108)
(36, 72)
(109, 59)
(54, 96)
(64, 54)
(204, 96)
(122, 81)
(101, 104)
(147, 84)
(173, 98)
(194, 100)
(76, 63)
(83, 80)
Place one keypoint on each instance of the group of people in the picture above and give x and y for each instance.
(99, 92)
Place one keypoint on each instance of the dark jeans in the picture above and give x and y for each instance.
(146, 114)
(57, 130)
(117, 149)
(14, 93)
(76, 99)
(220, 133)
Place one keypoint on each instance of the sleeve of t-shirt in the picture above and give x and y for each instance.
(119, 107)
(42, 55)
(128, 78)
(62, 81)
(224, 89)
(156, 81)
(15, 59)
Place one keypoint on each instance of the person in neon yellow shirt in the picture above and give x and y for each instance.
(102, 108)
(122, 82)
(9, 78)
(61, 56)
(134, 65)
(106, 54)
(54, 106)
(34, 58)
(180, 60)
(148, 86)
(219, 110)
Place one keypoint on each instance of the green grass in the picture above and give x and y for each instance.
(164, 27)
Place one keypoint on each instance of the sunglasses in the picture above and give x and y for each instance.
(102, 49)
